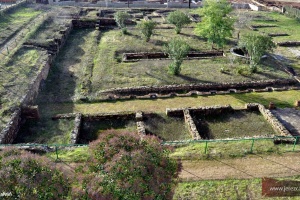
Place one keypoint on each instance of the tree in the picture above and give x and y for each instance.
(256, 46)
(125, 167)
(28, 176)
(146, 28)
(177, 50)
(179, 19)
(120, 18)
(216, 25)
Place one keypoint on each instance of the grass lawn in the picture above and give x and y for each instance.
(46, 131)
(230, 149)
(224, 189)
(91, 130)
(11, 22)
(110, 72)
(69, 68)
(49, 30)
(16, 75)
(281, 99)
(167, 128)
(237, 124)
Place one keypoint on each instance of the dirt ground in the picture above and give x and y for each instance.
(252, 166)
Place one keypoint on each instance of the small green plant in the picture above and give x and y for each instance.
(216, 24)
(243, 70)
(146, 28)
(177, 50)
(120, 18)
(256, 46)
(179, 19)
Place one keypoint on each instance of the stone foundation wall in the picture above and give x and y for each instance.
(274, 122)
(204, 87)
(9, 133)
(206, 110)
(191, 125)
(76, 131)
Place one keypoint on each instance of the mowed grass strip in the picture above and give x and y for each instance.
(281, 99)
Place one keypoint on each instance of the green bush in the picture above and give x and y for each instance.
(125, 167)
(29, 176)
(146, 28)
(177, 50)
(179, 19)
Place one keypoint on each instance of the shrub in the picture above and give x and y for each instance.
(125, 167)
(256, 46)
(179, 19)
(29, 176)
(177, 50)
(146, 28)
(120, 18)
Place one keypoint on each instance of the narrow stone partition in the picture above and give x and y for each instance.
(76, 131)
(140, 124)
(9, 133)
(191, 125)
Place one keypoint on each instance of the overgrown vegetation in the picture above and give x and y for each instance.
(177, 50)
(216, 24)
(124, 167)
(179, 19)
(256, 46)
(28, 176)
(120, 18)
(146, 28)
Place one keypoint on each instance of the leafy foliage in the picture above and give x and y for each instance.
(177, 50)
(256, 46)
(216, 25)
(120, 18)
(29, 176)
(179, 19)
(146, 28)
(125, 167)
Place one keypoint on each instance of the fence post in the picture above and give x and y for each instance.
(7, 49)
(206, 147)
(251, 150)
(56, 152)
(296, 140)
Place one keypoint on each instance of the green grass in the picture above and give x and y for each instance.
(79, 154)
(12, 22)
(46, 131)
(16, 75)
(68, 70)
(233, 125)
(91, 130)
(281, 99)
(109, 72)
(230, 149)
(224, 189)
(49, 31)
(167, 128)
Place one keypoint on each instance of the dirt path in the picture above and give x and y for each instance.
(253, 166)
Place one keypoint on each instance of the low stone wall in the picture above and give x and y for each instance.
(289, 44)
(204, 87)
(161, 55)
(191, 125)
(274, 122)
(9, 133)
(206, 110)
(76, 131)
(10, 8)
(107, 116)
(84, 23)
